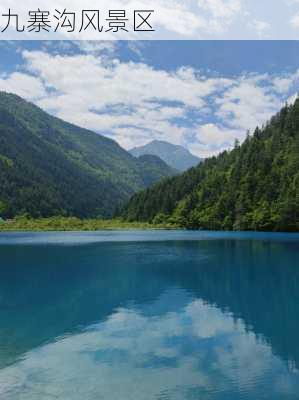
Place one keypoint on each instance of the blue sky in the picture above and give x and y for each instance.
(200, 94)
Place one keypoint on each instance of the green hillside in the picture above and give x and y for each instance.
(253, 187)
(50, 167)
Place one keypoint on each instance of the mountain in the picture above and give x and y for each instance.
(153, 169)
(253, 187)
(50, 167)
(175, 156)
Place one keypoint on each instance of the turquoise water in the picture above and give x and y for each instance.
(149, 315)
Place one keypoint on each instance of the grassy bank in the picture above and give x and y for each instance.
(75, 224)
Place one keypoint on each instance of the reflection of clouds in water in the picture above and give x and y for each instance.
(133, 356)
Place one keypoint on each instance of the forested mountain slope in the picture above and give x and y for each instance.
(50, 167)
(253, 187)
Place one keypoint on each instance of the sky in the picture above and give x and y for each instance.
(173, 19)
(200, 94)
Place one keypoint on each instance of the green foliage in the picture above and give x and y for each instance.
(49, 167)
(160, 219)
(153, 169)
(3, 207)
(253, 187)
(25, 223)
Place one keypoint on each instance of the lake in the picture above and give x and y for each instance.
(149, 315)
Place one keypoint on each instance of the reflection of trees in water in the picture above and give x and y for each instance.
(46, 292)
(259, 283)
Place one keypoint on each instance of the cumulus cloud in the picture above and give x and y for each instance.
(135, 103)
(213, 139)
(295, 21)
(260, 27)
(125, 99)
(247, 104)
(226, 9)
(284, 83)
(24, 85)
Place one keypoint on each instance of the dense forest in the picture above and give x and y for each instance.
(255, 186)
(49, 167)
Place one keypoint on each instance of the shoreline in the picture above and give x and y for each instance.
(73, 224)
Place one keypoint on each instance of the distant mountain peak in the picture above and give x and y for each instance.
(177, 157)
(253, 187)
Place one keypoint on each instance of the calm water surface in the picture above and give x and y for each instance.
(149, 316)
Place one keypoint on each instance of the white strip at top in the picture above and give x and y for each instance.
(149, 20)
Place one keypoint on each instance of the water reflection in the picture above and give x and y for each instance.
(179, 320)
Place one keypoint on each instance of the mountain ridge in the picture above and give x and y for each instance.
(51, 167)
(255, 186)
(177, 157)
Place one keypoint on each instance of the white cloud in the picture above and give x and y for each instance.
(283, 84)
(260, 27)
(292, 98)
(248, 103)
(96, 47)
(24, 85)
(221, 8)
(135, 103)
(212, 139)
(121, 97)
(295, 21)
